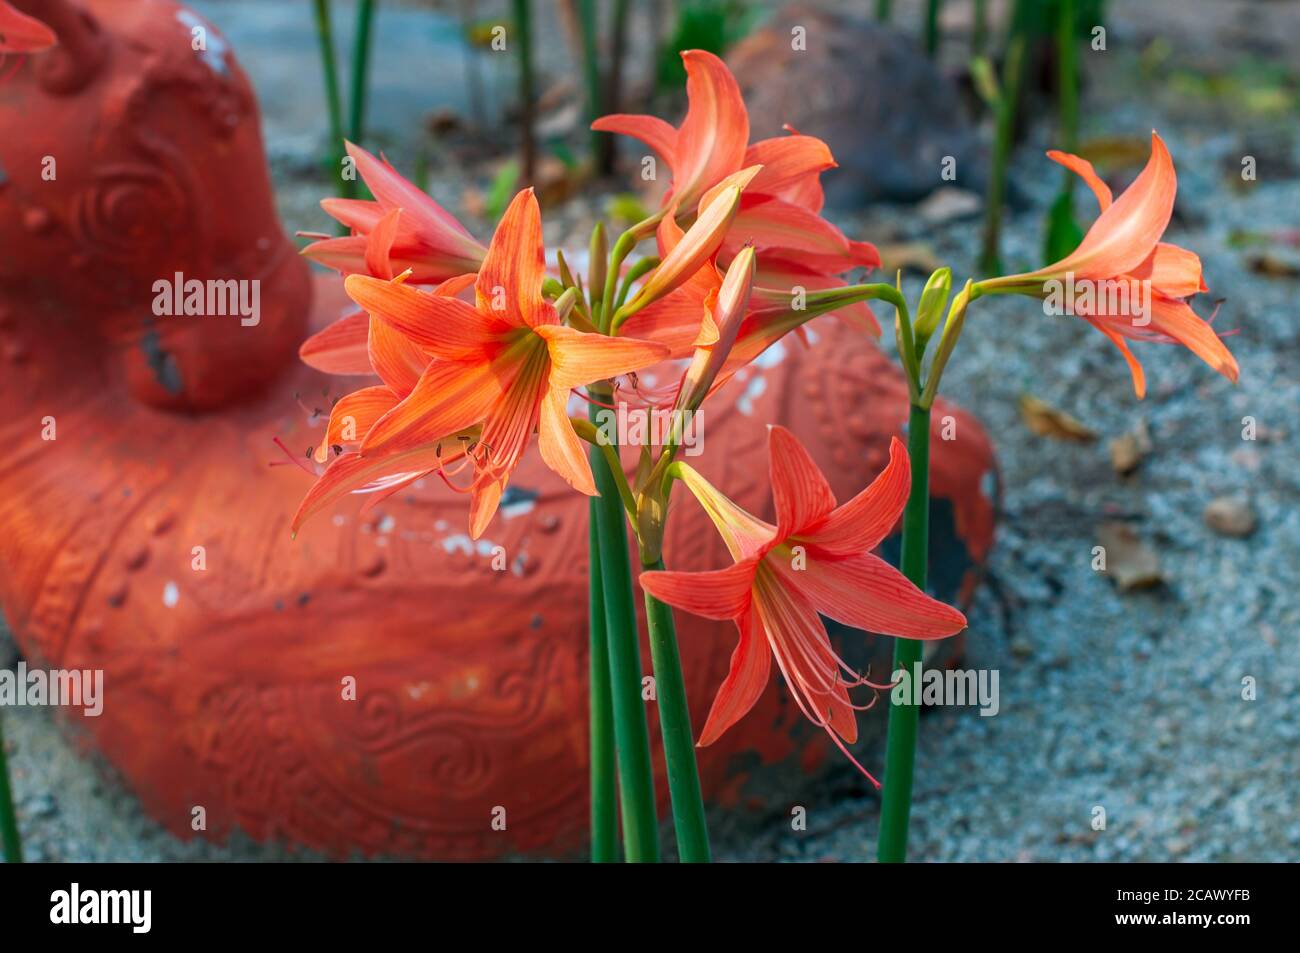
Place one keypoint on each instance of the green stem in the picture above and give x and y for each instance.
(631, 736)
(604, 820)
(334, 106)
(675, 725)
(932, 27)
(524, 28)
(587, 24)
(1067, 79)
(360, 69)
(614, 79)
(980, 31)
(634, 274)
(884, 10)
(13, 845)
(622, 248)
(900, 744)
(990, 258)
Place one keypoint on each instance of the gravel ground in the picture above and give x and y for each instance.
(1131, 702)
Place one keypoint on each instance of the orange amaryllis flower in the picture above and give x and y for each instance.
(20, 33)
(1122, 252)
(354, 345)
(816, 560)
(505, 364)
(780, 213)
(420, 235)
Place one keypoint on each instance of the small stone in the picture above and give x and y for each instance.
(1129, 561)
(1127, 450)
(949, 204)
(1231, 516)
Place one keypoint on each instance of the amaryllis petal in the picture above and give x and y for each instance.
(350, 471)
(653, 131)
(678, 319)
(560, 447)
(1176, 320)
(786, 161)
(716, 594)
(712, 139)
(1084, 170)
(454, 285)
(728, 306)
(866, 592)
(510, 280)
(740, 690)
(483, 505)
(353, 415)
(804, 654)
(443, 326)
(745, 534)
(579, 358)
(1173, 272)
(359, 215)
(692, 251)
(346, 255)
(397, 360)
(799, 490)
(1126, 232)
(506, 431)
(340, 348)
(20, 33)
(859, 525)
(394, 191)
(1135, 368)
(736, 180)
(675, 321)
(379, 244)
(450, 396)
(800, 236)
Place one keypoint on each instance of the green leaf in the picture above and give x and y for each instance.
(502, 190)
(1063, 232)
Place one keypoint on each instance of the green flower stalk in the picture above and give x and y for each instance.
(333, 102)
(900, 742)
(9, 838)
(360, 72)
(604, 820)
(631, 735)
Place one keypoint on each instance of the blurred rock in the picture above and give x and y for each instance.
(1047, 421)
(845, 88)
(1230, 516)
(1129, 561)
(949, 204)
(1127, 450)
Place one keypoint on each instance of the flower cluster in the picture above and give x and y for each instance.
(478, 349)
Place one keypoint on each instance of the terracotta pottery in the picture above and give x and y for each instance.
(149, 538)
